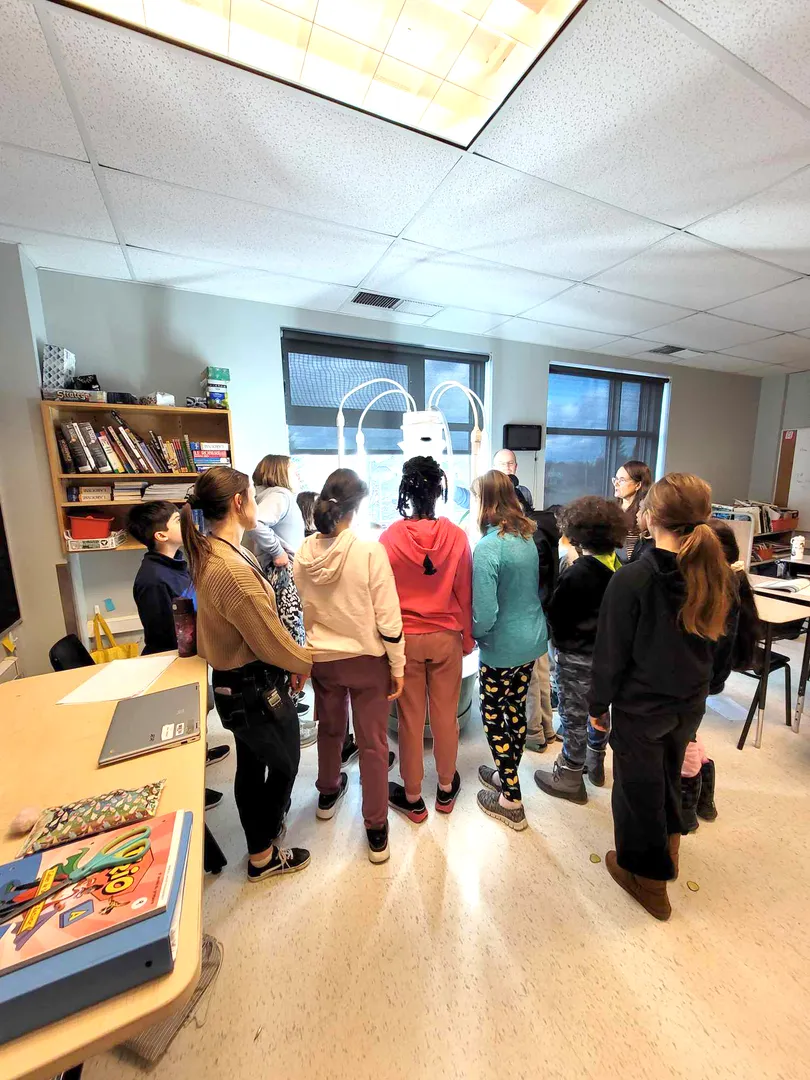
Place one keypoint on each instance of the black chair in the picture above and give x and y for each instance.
(67, 653)
(777, 662)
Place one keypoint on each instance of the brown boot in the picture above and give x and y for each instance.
(652, 895)
(674, 849)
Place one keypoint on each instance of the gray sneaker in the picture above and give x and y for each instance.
(489, 778)
(563, 781)
(489, 801)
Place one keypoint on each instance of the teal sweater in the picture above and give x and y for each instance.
(508, 621)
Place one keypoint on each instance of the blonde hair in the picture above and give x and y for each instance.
(273, 471)
(499, 505)
(682, 504)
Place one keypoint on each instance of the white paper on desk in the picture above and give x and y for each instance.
(120, 679)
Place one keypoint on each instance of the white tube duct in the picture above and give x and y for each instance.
(341, 420)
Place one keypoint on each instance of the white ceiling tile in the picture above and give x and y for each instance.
(627, 346)
(179, 221)
(783, 349)
(92, 258)
(589, 308)
(465, 322)
(219, 280)
(687, 271)
(719, 362)
(772, 225)
(158, 110)
(34, 110)
(415, 272)
(773, 39)
(785, 308)
(709, 332)
(51, 194)
(363, 311)
(625, 108)
(488, 210)
(537, 333)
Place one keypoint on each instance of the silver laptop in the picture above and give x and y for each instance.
(141, 725)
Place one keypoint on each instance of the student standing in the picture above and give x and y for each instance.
(656, 651)
(354, 626)
(432, 566)
(595, 527)
(279, 530)
(540, 733)
(510, 628)
(253, 656)
(630, 484)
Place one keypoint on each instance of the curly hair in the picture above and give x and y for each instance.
(594, 524)
(423, 482)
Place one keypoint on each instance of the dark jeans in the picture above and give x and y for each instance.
(648, 755)
(572, 677)
(268, 748)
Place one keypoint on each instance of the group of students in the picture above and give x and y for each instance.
(638, 647)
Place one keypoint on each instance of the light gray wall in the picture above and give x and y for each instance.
(770, 422)
(142, 338)
(25, 487)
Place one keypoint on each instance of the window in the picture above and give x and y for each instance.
(596, 421)
(319, 369)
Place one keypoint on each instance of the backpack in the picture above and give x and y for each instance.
(546, 540)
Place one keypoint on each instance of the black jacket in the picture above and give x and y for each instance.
(158, 581)
(573, 612)
(644, 662)
(546, 539)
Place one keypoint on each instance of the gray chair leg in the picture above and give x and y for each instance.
(788, 717)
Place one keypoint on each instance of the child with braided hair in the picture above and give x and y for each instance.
(432, 567)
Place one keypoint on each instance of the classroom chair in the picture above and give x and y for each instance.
(778, 662)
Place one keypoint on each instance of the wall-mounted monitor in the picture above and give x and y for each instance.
(522, 437)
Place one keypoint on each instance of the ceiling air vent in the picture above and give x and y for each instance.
(666, 350)
(370, 299)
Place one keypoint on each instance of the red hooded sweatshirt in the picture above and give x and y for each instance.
(432, 566)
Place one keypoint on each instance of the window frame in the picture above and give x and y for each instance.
(614, 433)
(337, 346)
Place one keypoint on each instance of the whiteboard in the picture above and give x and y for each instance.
(799, 496)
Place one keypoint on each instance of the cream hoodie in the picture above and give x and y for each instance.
(350, 601)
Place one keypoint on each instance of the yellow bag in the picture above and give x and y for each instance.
(102, 655)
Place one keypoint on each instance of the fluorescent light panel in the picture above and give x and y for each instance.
(442, 66)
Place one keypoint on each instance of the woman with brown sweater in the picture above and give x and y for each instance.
(255, 660)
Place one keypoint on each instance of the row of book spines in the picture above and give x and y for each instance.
(122, 451)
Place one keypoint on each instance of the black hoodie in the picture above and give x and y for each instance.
(644, 662)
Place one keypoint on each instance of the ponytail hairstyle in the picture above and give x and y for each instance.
(423, 482)
(213, 494)
(499, 505)
(681, 504)
(341, 495)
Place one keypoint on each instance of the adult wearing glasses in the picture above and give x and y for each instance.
(630, 484)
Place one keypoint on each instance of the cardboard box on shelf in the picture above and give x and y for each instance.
(58, 367)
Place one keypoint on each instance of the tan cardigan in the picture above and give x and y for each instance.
(237, 622)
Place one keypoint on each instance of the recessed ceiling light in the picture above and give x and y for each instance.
(441, 66)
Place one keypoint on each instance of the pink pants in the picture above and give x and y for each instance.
(432, 677)
(695, 757)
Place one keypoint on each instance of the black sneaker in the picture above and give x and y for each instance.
(446, 800)
(216, 753)
(327, 804)
(283, 861)
(378, 851)
(350, 752)
(212, 798)
(392, 760)
(301, 708)
(414, 811)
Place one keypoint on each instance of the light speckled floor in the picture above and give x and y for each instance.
(478, 952)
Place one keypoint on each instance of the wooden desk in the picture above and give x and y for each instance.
(776, 612)
(801, 605)
(50, 755)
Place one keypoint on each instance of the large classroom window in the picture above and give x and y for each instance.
(319, 369)
(596, 421)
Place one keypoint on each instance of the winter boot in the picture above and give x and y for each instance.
(595, 766)
(652, 895)
(705, 804)
(690, 794)
(564, 781)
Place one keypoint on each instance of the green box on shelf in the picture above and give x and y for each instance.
(216, 374)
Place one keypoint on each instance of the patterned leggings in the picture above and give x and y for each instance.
(503, 710)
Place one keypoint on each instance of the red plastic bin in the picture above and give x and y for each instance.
(90, 526)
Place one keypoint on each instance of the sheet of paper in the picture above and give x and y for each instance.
(120, 679)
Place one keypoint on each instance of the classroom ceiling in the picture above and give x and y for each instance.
(647, 185)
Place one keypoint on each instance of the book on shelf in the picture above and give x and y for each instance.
(64, 453)
(94, 447)
(112, 457)
(82, 461)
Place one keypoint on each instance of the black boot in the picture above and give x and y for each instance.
(705, 804)
(690, 793)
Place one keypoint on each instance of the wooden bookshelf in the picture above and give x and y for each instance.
(201, 425)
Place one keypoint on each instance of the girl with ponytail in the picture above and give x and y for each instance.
(432, 566)
(255, 660)
(662, 639)
(353, 623)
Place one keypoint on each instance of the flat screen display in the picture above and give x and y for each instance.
(522, 437)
